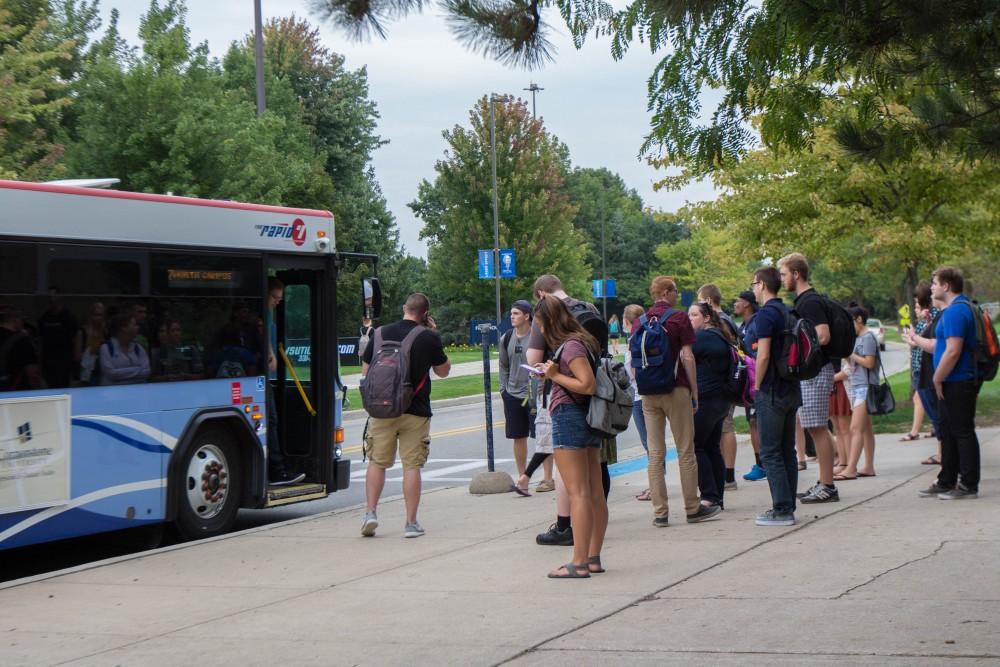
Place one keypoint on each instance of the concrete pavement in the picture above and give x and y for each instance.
(882, 577)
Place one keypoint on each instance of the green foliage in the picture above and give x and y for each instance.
(708, 255)
(32, 90)
(630, 232)
(534, 211)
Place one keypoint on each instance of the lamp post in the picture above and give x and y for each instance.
(496, 215)
(258, 47)
(533, 88)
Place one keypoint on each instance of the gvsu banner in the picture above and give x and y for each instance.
(299, 351)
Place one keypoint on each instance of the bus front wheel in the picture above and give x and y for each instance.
(209, 486)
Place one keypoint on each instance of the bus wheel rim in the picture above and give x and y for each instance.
(207, 481)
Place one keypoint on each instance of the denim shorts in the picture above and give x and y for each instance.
(858, 395)
(570, 429)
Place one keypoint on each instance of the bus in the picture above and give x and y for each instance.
(144, 377)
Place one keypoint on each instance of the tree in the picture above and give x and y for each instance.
(864, 221)
(630, 232)
(929, 70)
(534, 209)
(707, 255)
(162, 121)
(31, 92)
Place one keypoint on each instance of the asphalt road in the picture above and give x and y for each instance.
(458, 453)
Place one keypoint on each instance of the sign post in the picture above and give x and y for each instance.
(491, 481)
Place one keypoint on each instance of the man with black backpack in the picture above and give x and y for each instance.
(396, 391)
(814, 414)
(777, 399)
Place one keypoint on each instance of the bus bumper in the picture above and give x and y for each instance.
(341, 474)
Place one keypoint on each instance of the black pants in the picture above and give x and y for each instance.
(959, 444)
(707, 438)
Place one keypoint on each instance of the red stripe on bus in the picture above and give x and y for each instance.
(162, 199)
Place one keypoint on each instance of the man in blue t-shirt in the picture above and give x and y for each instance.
(776, 402)
(957, 388)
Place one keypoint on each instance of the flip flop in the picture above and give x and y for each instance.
(573, 571)
(518, 490)
(595, 560)
(866, 474)
(909, 437)
(931, 460)
(843, 478)
(645, 495)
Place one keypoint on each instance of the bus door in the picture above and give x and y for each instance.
(303, 380)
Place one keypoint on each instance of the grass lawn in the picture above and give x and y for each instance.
(466, 385)
(457, 355)
(987, 408)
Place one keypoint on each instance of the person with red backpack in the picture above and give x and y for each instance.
(956, 383)
(777, 400)
(397, 387)
(665, 374)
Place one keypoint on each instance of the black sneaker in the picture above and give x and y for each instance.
(821, 493)
(704, 513)
(934, 490)
(805, 493)
(661, 521)
(555, 537)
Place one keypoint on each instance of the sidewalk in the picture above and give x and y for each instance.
(882, 577)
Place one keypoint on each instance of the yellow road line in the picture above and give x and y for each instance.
(354, 449)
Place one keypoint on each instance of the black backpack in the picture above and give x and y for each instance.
(842, 334)
(386, 391)
(586, 314)
(798, 355)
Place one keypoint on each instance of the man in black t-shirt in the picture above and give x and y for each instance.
(815, 411)
(411, 431)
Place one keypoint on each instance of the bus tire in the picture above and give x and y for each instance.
(208, 486)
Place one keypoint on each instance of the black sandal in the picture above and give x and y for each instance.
(595, 560)
(573, 571)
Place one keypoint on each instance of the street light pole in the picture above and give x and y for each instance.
(258, 39)
(534, 88)
(496, 216)
(604, 271)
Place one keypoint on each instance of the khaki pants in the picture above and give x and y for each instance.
(676, 408)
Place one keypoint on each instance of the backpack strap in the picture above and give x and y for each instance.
(404, 354)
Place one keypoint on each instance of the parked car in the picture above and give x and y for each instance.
(879, 331)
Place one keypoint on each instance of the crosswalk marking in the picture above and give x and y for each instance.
(433, 473)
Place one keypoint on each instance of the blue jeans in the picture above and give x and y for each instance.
(708, 420)
(929, 399)
(640, 423)
(776, 430)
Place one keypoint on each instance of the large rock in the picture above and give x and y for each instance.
(490, 482)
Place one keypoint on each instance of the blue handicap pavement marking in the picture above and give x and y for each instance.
(636, 464)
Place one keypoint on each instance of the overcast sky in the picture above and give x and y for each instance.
(424, 82)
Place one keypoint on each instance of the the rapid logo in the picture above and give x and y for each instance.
(294, 231)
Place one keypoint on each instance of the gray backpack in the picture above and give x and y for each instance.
(386, 391)
(610, 407)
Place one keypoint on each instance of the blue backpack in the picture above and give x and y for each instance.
(655, 364)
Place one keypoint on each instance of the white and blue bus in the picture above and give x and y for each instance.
(137, 360)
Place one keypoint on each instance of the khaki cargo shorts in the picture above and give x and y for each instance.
(727, 423)
(412, 434)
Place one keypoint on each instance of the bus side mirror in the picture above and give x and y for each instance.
(371, 298)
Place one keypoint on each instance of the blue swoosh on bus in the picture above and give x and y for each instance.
(131, 442)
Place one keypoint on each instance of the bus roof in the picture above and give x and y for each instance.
(70, 212)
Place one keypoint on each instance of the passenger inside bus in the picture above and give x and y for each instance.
(173, 359)
(19, 367)
(57, 329)
(123, 360)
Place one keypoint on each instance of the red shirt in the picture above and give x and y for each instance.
(679, 333)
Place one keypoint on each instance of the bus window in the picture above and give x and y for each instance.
(98, 277)
(17, 268)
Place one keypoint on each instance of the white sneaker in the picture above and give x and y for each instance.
(413, 529)
(369, 524)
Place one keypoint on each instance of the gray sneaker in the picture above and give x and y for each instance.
(413, 530)
(704, 513)
(933, 491)
(821, 493)
(369, 524)
(960, 492)
(772, 518)
(661, 521)
(732, 486)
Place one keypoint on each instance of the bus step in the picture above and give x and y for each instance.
(294, 493)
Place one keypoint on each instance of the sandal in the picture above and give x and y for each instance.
(595, 560)
(844, 478)
(909, 437)
(645, 495)
(931, 460)
(518, 490)
(573, 571)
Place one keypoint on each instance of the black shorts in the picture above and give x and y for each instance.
(520, 421)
